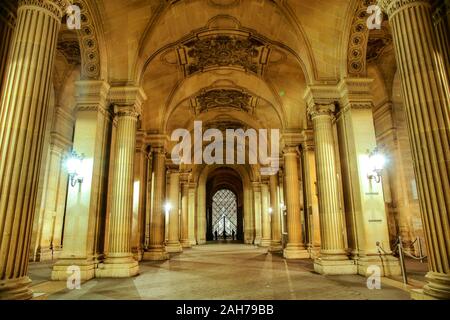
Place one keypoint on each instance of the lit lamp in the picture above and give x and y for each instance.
(167, 208)
(270, 210)
(376, 165)
(74, 166)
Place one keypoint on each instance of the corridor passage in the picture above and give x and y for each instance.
(219, 271)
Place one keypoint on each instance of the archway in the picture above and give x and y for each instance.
(224, 205)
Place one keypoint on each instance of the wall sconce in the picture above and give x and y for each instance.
(270, 210)
(74, 166)
(376, 165)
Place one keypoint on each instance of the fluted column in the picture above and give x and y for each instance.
(295, 248)
(119, 260)
(275, 244)
(192, 213)
(23, 114)
(156, 249)
(427, 107)
(173, 244)
(185, 243)
(333, 256)
(8, 12)
(257, 211)
(265, 216)
(441, 28)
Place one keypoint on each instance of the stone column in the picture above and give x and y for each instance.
(275, 244)
(156, 249)
(265, 216)
(333, 255)
(86, 201)
(8, 12)
(192, 211)
(173, 244)
(363, 198)
(257, 210)
(295, 248)
(185, 243)
(311, 200)
(427, 107)
(119, 262)
(441, 28)
(23, 114)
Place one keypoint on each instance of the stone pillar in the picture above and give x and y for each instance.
(8, 12)
(86, 201)
(156, 249)
(192, 213)
(427, 107)
(119, 262)
(333, 256)
(50, 243)
(364, 199)
(275, 244)
(23, 113)
(173, 244)
(185, 243)
(257, 209)
(265, 216)
(441, 28)
(295, 248)
(311, 201)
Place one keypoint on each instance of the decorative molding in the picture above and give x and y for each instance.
(392, 7)
(223, 98)
(56, 7)
(223, 50)
(128, 96)
(321, 110)
(89, 44)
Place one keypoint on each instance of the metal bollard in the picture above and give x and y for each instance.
(402, 261)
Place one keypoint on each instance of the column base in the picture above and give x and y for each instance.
(265, 243)
(193, 242)
(202, 241)
(185, 244)
(295, 252)
(438, 286)
(275, 246)
(159, 254)
(16, 289)
(257, 241)
(174, 247)
(61, 269)
(389, 265)
(335, 267)
(117, 268)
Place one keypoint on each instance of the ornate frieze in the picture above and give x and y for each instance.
(218, 98)
(392, 6)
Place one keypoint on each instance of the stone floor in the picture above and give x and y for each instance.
(219, 271)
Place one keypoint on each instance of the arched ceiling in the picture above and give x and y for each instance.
(201, 59)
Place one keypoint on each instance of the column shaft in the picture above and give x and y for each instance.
(265, 216)
(23, 114)
(427, 107)
(333, 256)
(173, 243)
(275, 244)
(156, 249)
(185, 243)
(295, 248)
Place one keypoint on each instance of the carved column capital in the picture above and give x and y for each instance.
(391, 7)
(56, 7)
(128, 97)
(291, 150)
(318, 110)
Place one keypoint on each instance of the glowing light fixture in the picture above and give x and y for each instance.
(270, 210)
(376, 164)
(167, 207)
(74, 165)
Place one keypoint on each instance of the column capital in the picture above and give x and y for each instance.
(291, 150)
(91, 95)
(355, 93)
(128, 97)
(391, 7)
(56, 7)
(321, 110)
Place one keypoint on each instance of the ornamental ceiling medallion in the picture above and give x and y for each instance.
(218, 51)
